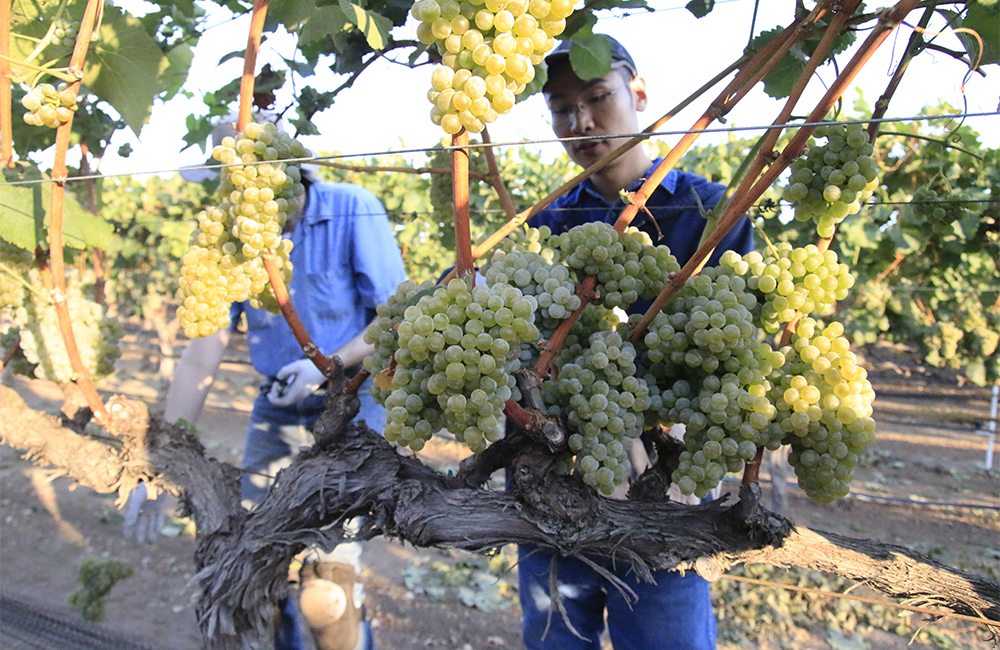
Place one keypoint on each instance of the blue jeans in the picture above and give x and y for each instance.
(675, 613)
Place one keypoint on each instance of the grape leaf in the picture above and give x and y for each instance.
(374, 26)
(127, 69)
(322, 22)
(24, 219)
(590, 57)
(291, 13)
(983, 19)
(700, 8)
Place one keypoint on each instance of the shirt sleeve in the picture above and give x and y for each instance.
(378, 264)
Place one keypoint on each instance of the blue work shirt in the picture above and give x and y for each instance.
(673, 205)
(345, 262)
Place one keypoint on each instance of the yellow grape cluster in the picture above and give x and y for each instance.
(49, 105)
(488, 52)
(225, 262)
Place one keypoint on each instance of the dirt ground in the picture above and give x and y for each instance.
(923, 485)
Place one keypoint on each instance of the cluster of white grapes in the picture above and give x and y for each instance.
(64, 33)
(824, 402)
(833, 180)
(627, 266)
(41, 339)
(943, 213)
(488, 52)
(225, 263)
(49, 105)
(602, 401)
(791, 280)
(458, 350)
(383, 334)
(17, 262)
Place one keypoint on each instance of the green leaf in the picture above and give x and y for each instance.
(984, 19)
(700, 8)
(24, 218)
(590, 57)
(291, 13)
(322, 22)
(374, 26)
(127, 69)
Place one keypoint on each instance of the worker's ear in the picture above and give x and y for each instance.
(638, 86)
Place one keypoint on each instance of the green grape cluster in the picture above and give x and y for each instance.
(383, 335)
(441, 191)
(940, 344)
(627, 266)
(824, 408)
(790, 280)
(488, 52)
(551, 284)
(224, 262)
(17, 262)
(704, 346)
(64, 33)
(458, 350)
(41, 339)
(48, 105)
(942, 214)
(833, 180)
(603, 402)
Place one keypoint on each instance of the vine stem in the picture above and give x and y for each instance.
(6, 122)
(912, 47)
(250, 62)
(57, 291)
(292, 318)
(460, 193)
(758, 66)
(496, 180)
(741, 201)
(889, 269)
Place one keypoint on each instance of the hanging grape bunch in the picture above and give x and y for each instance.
(41, 339)
(64, 33)
(833, 180)
(790, 280)
(943, 213)
(225, 262)
(48, 105)
(488, 52)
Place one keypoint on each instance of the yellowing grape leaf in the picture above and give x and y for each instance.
(374, 26)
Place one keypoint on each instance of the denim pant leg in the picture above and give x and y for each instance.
(581, 593)
(273, 439)
(675, 613)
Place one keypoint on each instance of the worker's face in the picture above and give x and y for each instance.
(608, 105)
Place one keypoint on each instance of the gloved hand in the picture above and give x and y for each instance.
(296, 381)
(143, 516)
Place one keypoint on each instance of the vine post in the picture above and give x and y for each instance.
(460, 192)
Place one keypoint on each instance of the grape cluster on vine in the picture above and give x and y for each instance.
(225, 262)
(792, 280)
(458, 350)
(824, 402)
(832, 181)
(942, 213)
(64, 33)
(488, 52)
(41, 341)
(49, 105)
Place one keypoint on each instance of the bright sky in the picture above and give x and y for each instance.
(387, 109)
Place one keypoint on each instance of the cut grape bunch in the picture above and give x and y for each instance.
(225, 261)
(48, 105)
(832, 181)
(488, 52)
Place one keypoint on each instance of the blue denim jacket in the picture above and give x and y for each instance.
(345, 262)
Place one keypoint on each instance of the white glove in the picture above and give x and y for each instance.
(296, 381)
(143, 516)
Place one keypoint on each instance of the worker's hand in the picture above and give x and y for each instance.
(296, 381)
(143, 516)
